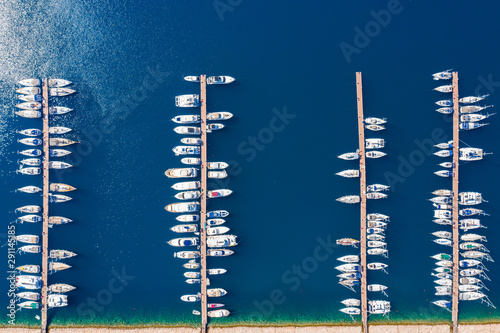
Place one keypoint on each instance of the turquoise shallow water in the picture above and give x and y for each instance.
(127, 63)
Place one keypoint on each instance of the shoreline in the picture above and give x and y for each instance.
(374, 328)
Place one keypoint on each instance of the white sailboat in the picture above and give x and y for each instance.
(472, 99)
(444, 75)
(473, 108)
(350, 173)
(375, 121)
(349, 156)
(444, 89)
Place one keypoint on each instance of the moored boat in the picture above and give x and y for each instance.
(30, 98)
(29, 268)
(186, 241)
(192, 78)
(219, 193)
(58, 152)
(58, 110)
(350, 173)
(29, 114)
(57, 198)
(374, 143)
(186, 150)
(187, 254)
(187, 119)
(31, 162)
(191, 160)
(30, 249)
(30, 82)
(188, 218)
(187, 101)
(183, 207)
(217, 174)
(30, 152)
(349, 258)
(33, 296)
(29, 105)
(467, 126)
(60, 288)
(61, 254)
(28, 239)
(214, 127)
(58, 220)
(219, 252)
(444, 75)
(182, 173)
(474, 117)
(29, 91)
(31, 132)
(445, 110)
(59, 130)
(444, 89)
(188, 195)
(472, 99)
(375, 127)
(473, 108)
(61, 91)
(60, 142)
(59, 187)
(221, 241)
(376, 195)
(212, 231)
(377, 187)
(217, 213)
(59, 165)
(446, 102)
(30, 218)
(350, 199)
(29, 171)
(182, 186)
(29, 209)
(219, 115)
(189, 130)
(349, 156)
(347, 242)
(217, 165)
(58, 83)
(222, 79)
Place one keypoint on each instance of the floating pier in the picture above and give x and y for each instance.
(203, 210)
(456, 239)
(45, 233)
(362, 178)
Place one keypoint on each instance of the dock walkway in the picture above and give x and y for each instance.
(45, 233)
(362, 177)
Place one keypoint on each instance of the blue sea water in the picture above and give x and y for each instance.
(295, 110)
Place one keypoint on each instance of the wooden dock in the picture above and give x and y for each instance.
(456, 154)
(362, 177)
(203, 210)
(45, 233)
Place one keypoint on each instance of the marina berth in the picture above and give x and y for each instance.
(188, 218)
(58, 83)
(61, 254)
(217, 213)
(214, 222)
(59, 165)
(58, 220)
(28, 239)
(29, 171)
(474, 117)
(187, 119)
(182, 186)
(214, 127)
(187, 101)
(58, 152)
(445, 75)
(187, 254)
(444, 89)
(188, 195)
(59, 187)
(29, 105)
(30, 82)
(192, 78)
(30, 141)
(217, 174)
(445, 110)
(29, 114)
(375, 121)
(212, 231)
(217, 165)
(375, 128)
(186, 150)
(192, 141)
(350, 199)
(349, 156)
(219, 193)
(183, 207)
(58, 110)
(29, 91)
(33, 296)
(31, 132)
(59, 130)
(30, 152)
(189, 130)
(61, 91)
(182, 173)
(472, 99)
(191, 241)
(446, 102)
(350, 173)
(219, 252)
(223, 79)
(183, 228)
(219, 115)
(191, 160)
(467, 126)
(30, 98)
(473, 108)
(374, 143)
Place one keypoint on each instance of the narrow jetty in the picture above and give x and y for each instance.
(362, 177)
(203, 210)
(45, 233)
(456, 155)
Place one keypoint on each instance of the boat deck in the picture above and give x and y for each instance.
(203, 210)
(456, 140)
(362, 178)
(45, 233)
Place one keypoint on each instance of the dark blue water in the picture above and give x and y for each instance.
(295, 111)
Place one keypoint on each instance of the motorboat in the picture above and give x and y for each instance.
(467, 126)
(61, 254)
(442, 193)
(351, 302)
(58, 110)
(186, 150)
(187, 119)
(223, 79)
(30, 152)
(374, 143)
(29, 105)
(443, 304)
(189, 130)
(58, 220)
(58, 83)
(446, 165)
(192, 141)
(212, 231)
(443, 234)
(349, 268)
(471, 211)
(182, 186)
(30, 141)
(30, 219)
(28, 269)
(472, 238)
(58, 266)
(350, 173)
(188, 195)
(470, 198)
(221, 241)
(188, 218)
(441, 200)
(445, 75)
(442, 241)
(469, 224)
(375, 127)
(376, 195)
(216, 292)
(377, 216)
(377, 187)
(60, 142)
(442, 214)
(218, 313)
(59, 187)
(375, 121)
(29, 91)
(30, 282)
(33, 296)
(61, 91)
(217, 165)
(192, 275)
(192, 264)
(219, 115)
(31, 132)
(191, 298)
(376, 224)
(58, 152)
(471, 154)
(57, 198)
(183, 207)
(30, 249)
(30, 82)
(444, 153)
(192, 78)
(191, 160)
(182, 173)
(219, 252)
(59, 165)
(443, 206)
(472, 99)
(444, 89)
(445, 110)
(29, 209)
(219, 193)
(216, 271)
(187, 254)
(214, 127)
(349, 258)
(188, 241)
(375, 237)
(349, 156)
(347, 242)
(214, 222)
(28, 239)
(473, 108)
(187, 101)
(474, 117)
(371, 231)
(375, 266)
(379, 307)
(59, 130)
(31, 162)
(57, 300)
(30, 98)
(217, 213)
(217, 174)
(350, 199)
(446, 102)
(29, 114)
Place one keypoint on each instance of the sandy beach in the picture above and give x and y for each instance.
(483, 328)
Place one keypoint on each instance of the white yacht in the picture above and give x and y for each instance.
(58, 110)
(378, 252)
(219, 115)
(188, 218)
(444, 173)
(214, 222)
(349, 258)
(187, 254)
(212, 231)
(191, 160)
(217, 165)
(376, 195)
(60, 142)
(377, 287)
(29, 114)
(188, 195)
(61, 254)
(350, 173)
(61, 91)
(217, 213)
(192, 141)
(371, 231)
(30, 82)
(379, 307)
(29, 91)
(29, 105)
(468, 224)
(30, 249)
(443, 234)
(29, 269)
(59, 152)
(473, 238)
(187, 241)
(217, 174)
(30, 98)
(375, 128)
(223, 79)
(349, 156)
(59, 130)
(376, 244)
(29, 209)
(443, 241)
(465, 263)
(476, 255)
(377, 187)
(219, 193)
(30, 152)
(184, 186)
(443, 304)
(219, 252)
(350, 199)
(444, 145)
(29, 219)
(445, 75)
(444, 153)
(347, 242)
(189, 130)
(445, 89)
(30, 141)
(473, 108)
(28, 239)
(442, 193)
(29, 295)
(186, 150)
(216, 271)
(376, 224)
(187, 119)
(472, 99)
(60, 187)
(441, 200)
(31, 162)
(445, 110)
(221, 241)
(442, 214)
(187, 101)
(473, 246)
(448, 165)
(351, 302)
(375, 237)
(30, 282)
(349, 268)
(471, 154)
(57, 300)
(474, 117)
(213, 127)
(183, 207)
(375, 121)
(471, 211)
(55, 198)
(377, 216)
(181, 173)
(30, 132)
(59, 165)
(467, 126)
(191, 298)
(445, 102)
(192, 264)
(58, 83)
(470, 198)
(374, 143)
(58, 220)
(218, 313)
(192, 78)
(376, 266)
